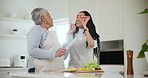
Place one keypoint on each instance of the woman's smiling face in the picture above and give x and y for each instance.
(79, 20)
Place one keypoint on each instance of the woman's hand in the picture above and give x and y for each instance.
(72, 28)
(84, 20)
(89, 38)
(60, 52)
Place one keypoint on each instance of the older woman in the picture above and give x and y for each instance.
(43, 46)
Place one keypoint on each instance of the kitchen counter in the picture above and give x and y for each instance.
(7, 70)
(72, 75)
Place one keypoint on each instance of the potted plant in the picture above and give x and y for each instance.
(144, 12)
(144, 49)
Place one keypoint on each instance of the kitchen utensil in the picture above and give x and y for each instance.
(20, 61)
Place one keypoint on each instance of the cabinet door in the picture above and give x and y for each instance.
(110, 19)
(78, 5)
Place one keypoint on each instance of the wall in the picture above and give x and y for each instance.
(57, 8)
(82, 5)
(20, 7)
(135, 30)
(12, 45)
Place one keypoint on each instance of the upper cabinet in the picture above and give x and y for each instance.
(107, 16)
(110, 19)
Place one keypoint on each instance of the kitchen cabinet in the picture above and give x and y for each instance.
(110, 19)
(107, 16)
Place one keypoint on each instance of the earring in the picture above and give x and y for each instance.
(44, 21)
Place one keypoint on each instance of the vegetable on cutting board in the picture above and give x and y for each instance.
(92, 65)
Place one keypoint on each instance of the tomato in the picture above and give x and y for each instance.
(99, 69)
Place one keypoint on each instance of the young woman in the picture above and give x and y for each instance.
(83, 39)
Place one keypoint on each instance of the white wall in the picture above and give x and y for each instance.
(135, 30)
(82, 5)
(12, 45)
(20, 7)
(57, 8)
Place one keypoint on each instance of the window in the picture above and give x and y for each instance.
(61, 27)
(61, 32)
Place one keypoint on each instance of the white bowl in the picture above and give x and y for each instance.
(12, 15)
(146, 56)
(112, 68)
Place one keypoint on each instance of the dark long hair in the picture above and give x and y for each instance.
(92, 30)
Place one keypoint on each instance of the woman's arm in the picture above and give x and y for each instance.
(69, 36)
(69, 39)
(33, 42)
(86, 30)
(89, 39)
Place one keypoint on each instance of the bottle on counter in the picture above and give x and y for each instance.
(129, 62)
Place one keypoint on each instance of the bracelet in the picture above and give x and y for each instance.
(86, 29)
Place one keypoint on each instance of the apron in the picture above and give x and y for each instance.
(45, 65)
(79, 54)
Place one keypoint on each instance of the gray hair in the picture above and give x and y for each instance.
(37, 13)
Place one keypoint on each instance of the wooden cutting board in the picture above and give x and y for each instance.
(76, 70)
(89, 71)
(67, 70)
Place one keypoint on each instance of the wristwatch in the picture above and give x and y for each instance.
(86, 29)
